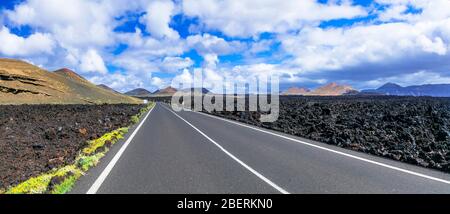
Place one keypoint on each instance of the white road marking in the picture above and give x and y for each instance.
(259, 175)
(94, 188)
(333, 151)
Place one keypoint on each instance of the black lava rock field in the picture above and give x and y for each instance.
(415, 130)
(36, 138)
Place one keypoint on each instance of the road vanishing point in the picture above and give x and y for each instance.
(191, 152)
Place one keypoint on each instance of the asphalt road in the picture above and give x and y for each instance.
(189, 152)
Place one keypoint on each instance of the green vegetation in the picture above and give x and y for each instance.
(88, 158)
(65, 186)
(86, 162)
(134, 119)
(108, 138)
(40, 183)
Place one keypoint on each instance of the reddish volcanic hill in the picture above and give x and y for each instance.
(70, 74)
(333, 89)
(296, 91)
(166, 91)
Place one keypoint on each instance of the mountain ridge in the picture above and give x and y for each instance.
(138, 92)
(330, 89)
(433, 90)
(24, 83)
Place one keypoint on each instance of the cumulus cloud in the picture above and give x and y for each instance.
(246, 18)
(183, 80)
(158, 17)
(73, 23)
(335, 48)
(122, 82)
(13, 45)
(414, 10)
(91, 61)
(405, 40)
(158, 82)
(173, 64)
(207, 44)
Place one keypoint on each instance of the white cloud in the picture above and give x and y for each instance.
(134, 64)
(80, 34)
(211, 47)
(73, 23)
(173, 64)
(147, 54)
(160, 83)
(13, 45)
(261, 46)
(245, 18)
(207, 44)
(120, 82)
(91, 61)
(210, 60)
(158, 17)
(317, 49)
(150, 46)
(416, 78)
(183, 80)
(82, 29)
(430, 10)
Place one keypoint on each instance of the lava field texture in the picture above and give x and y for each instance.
(36, 138)
(415, 130)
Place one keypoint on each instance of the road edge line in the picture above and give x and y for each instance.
(102, 177)
(333, 151)
(259, 175)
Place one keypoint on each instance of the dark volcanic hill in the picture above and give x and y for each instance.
(196, 90)
(24, 83)
(139, 92)
(433, 90)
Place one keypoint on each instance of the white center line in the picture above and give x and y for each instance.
(259, 175)
(333, 151)
(94, 188)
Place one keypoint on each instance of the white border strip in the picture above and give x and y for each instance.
(259, 175)
(94, 188)
(333, 151)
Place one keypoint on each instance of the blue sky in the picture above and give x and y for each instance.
(151, 44)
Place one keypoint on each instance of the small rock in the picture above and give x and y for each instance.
(38, 146)
(52, 163)
(437, 157)
(83, 131)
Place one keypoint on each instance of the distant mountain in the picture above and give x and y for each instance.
(107, 88)
(296, 91)
(433, 90)
(169, 91)
(24, 83)
(139, 92)
(196, 90)
(333, 89)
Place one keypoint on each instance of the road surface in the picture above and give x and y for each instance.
(189, 152)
